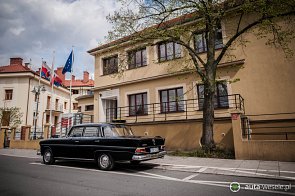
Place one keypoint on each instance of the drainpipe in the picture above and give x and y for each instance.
(29, 90)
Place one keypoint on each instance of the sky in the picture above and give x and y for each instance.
(33, 29)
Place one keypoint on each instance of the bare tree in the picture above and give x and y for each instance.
(148, 20)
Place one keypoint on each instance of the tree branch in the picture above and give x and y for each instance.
(248, 27)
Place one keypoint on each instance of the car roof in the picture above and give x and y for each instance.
(96, 124)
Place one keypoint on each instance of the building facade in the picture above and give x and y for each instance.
(156, 95)
(79, 87)
(19, 86)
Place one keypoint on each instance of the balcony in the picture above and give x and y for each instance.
(175, 110)
(55, 107)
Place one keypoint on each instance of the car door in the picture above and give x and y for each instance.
(89, 142)
(75, 137)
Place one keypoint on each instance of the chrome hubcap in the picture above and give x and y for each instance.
(104, 161)
(47, 156)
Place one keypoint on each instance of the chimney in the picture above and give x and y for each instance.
(60, 75)
(73, 78)
(85, 76)
(16, 61)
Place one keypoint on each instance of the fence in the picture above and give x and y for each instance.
(173, 110)
(280, 126)
(61, 129)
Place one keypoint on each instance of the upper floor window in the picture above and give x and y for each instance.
(110, 65)
(89, 107)
(48, 105)
(65, 105)
(138, 104)
(137, 58)
(89, 92)
(75, 92)
(172, 100)
(8, 94)
(168, 51)
(200, 41)
(75, 106)
(220, 97)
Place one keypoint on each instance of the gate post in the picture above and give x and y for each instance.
(2, 134)
(46, 130)
(27, 133)
(237, 133)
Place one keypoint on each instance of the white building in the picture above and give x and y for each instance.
(17, 84)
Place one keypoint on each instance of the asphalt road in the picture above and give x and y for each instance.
(26, 176)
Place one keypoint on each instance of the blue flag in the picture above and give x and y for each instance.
(68, 65)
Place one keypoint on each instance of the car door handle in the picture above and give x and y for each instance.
(96, 141)
(77, 141)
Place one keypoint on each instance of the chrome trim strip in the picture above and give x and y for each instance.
(146, 157)
(73, 158)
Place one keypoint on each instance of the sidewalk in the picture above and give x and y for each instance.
(250, 168)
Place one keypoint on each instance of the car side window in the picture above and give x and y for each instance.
(107, 131)
(90, 132)
(76, 132)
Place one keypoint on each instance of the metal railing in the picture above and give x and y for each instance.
(62, 128)
(269, 129)
(55, 107)
(173, 110)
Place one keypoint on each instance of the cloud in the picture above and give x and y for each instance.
(33, 29)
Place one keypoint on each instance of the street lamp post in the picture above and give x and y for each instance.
(37, 90)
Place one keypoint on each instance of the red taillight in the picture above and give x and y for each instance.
(140, 150)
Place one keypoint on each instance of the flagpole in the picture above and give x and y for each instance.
(71, 83)
(52, 83)
(40, 71)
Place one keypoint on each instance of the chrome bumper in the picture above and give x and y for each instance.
(146, 157)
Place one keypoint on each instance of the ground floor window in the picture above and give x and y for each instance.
(172, 100)
(138, 104)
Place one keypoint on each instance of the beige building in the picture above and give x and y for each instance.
(158, 99)
(85, 105)
(80, 87)
(18, 87)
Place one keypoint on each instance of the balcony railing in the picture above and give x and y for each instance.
(56, 107)
(174, 110)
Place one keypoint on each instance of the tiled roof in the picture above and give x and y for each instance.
(14, 69)
(90, 83)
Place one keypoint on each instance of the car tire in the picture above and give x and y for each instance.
(105, 162)
(48, 158)
(134, 162)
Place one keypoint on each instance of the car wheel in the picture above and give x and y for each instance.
(48, 157)
(105, 161)
(133, 162)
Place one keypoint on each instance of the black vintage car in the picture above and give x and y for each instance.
(103, 143)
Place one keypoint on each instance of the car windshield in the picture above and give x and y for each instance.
(121, 130)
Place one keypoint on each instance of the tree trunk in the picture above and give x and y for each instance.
(207, 140)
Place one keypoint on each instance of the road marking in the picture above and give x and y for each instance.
(223, 168)
(237, 170)
(160, 177)
(157, 175)
(202, 169)
(190, 177)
